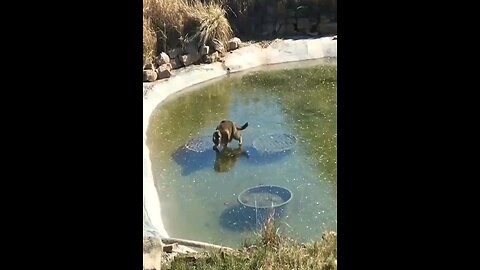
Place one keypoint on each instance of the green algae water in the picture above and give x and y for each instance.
(198, 187)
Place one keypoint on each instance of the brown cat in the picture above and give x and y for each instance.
(227, 131)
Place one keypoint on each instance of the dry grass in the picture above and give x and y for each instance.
(166, 13)
(289, 254)
(212, 23)
(149, 41)
(175, 22)
(282, 252)
(269, 233)
(272, 251)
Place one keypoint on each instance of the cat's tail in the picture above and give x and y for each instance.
(243, 127)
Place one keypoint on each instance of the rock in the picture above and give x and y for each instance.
(170, 248)
(234, 43)
(163, 71)
(281, 29)
(204, 50)
(278, 25)
(327, 28)
(167, 66)
(207, 59)
(188, 59)
(191, 48)
(290, 29)
(271, 11)
(302, 11)
(211, 58)
(149, 75)
(324, 19)
(148, 66)
(303, 24)
(176, 63)
(268, 29)
(291, 12)
(162, 58)
(216, 55)
(216, 45)
(281, 8)
(175, 52)
(270, 19)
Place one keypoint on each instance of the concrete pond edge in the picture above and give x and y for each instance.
(242, 59)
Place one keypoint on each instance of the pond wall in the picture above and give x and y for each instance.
(245, 58)
(282, 18)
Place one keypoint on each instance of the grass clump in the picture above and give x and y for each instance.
(149, 41)
(271, 251)
(173, 23)
(211, 22)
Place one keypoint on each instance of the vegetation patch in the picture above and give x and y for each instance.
(269, 251)
(176, 23)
